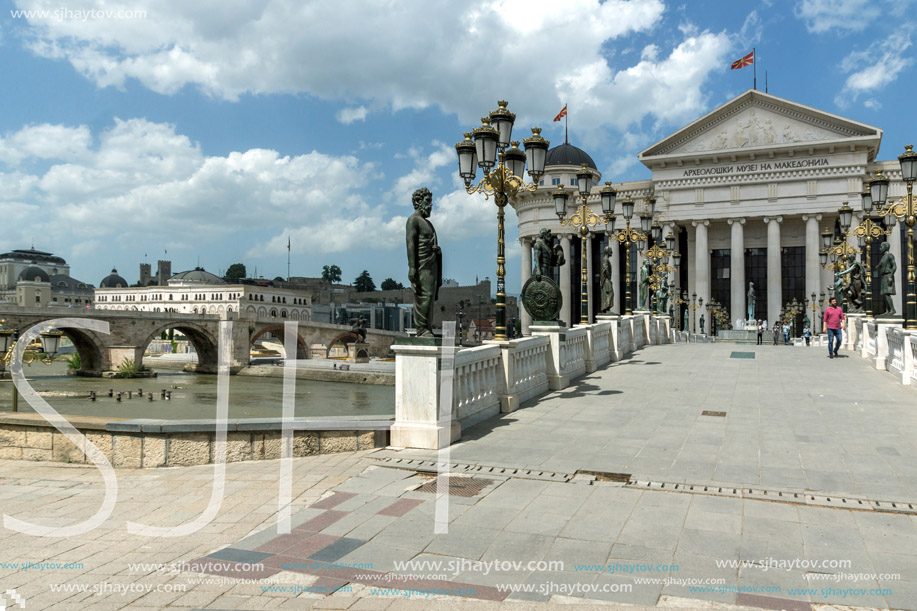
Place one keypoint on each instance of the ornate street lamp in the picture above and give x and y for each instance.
(50, 343)
(867, 231)
(904, 209)
(628, 236)
(485, 147)
(582, 219)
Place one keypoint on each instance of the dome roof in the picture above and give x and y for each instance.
(567, 154)
(113, 281)
(198, 275)
(34, 274)
(32, 256)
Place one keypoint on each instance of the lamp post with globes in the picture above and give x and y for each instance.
(582, 219)
(50, 342)
(904, 209)
(629, 236)
(486, 147)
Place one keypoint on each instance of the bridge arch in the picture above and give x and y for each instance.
(93, 355)
(302, 348)
(204, 341)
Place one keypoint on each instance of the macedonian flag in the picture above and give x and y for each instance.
(561, 114)
(745, 61)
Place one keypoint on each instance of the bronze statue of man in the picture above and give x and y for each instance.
(546, 255)
(425, 261)
(645, 272)
(608, 289)
(887, 268)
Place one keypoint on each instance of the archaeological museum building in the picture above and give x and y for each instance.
(748, 192)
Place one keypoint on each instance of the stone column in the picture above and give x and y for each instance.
(737, 270)
(565, 282)
(813, 265)
(526, 274)
(589, 287)
(701, 263)
(774, 269)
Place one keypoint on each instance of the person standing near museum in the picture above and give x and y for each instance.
(776, 331)
(807, 333)
(761, 329)
(786, 334)
(834, 323)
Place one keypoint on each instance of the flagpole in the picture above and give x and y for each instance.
(754, 61)
(566, 122)
(765, 81)
(288, 258)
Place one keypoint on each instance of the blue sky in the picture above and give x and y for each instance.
(216, 133)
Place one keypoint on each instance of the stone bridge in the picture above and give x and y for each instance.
(131, 332)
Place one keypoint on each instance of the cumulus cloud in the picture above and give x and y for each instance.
(844, 15)
(411, 54)
(349, 115)
(874, 68)
(146, 183)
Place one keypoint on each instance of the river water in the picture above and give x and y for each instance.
(194, 396)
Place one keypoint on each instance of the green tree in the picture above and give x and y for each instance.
(331, 273)
(236, 271)
(364, 282)
(279, 279)
(390, 285)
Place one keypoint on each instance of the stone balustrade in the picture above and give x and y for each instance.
(500, 376)
(474, 386)
(887, 345)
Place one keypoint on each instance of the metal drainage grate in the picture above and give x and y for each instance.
(459, 486)
(707, 412)
(853, 503)
(604, 476)
(742, 355)
(432, 466)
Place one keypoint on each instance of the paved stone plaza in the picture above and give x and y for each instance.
(802, 439)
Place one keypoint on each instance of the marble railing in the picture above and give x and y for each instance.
(499, 376)
(888, 347)
(894, 361)
(601, 343)
(474, 385)
(871, 338)
(575, 363)
(910, 360)
(523, 371)
(858, 327)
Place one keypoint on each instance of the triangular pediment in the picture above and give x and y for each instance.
(756, 121)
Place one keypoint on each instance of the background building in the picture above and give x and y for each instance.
(34, 278)
(746, 189)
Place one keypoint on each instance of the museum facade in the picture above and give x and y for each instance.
(747, 190)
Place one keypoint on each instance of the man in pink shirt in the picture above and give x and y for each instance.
(834, 322)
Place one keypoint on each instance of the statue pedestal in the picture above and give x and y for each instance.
(418, 421)
(662, 325)
(882, 325)
(642, 328)
(358, 352)
(855, 324)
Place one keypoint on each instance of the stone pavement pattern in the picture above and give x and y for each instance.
(354, 520)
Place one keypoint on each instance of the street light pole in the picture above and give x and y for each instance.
(486, 147)
(904, 209)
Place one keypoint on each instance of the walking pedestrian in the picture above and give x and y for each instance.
(834, 323)
(776, 331)
(786, 334)
(761, 329)
(807, 333)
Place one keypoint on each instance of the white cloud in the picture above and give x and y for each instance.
(411, 54)
(146, 183)
(349, 115)
(874, 68)
(845, 15)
